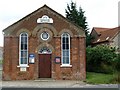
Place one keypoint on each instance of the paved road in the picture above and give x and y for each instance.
(53, 84)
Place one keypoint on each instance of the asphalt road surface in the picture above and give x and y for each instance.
(53, 84)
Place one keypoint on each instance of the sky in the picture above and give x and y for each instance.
(99, 13)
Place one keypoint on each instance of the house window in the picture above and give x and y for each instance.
(23, 49)
(65, 42)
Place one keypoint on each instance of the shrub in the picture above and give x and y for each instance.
(117, 67)
(100, 59)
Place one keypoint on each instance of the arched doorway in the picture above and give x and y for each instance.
(45, 62)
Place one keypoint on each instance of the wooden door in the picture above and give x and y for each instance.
(44, 65)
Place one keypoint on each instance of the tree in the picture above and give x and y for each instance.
(78, 17)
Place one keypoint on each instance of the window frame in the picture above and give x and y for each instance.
(65, 64)
(44, 38)
(22, 65)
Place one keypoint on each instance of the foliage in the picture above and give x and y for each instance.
(100, 59)
(1, 61)
(100, 78)
(88, 40)
(117, 62)
(116, 65)
(78, 17)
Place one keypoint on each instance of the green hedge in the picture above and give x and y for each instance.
(102, 59)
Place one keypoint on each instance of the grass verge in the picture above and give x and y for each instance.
(100, 78)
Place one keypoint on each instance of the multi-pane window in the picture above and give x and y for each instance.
(65, 48)
(23, 52)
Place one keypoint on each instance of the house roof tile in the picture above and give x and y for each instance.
(100, 29)
(106, 34)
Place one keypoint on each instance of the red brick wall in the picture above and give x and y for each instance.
(11, 59)
(82, 56)
(11, 51)
(6, 56)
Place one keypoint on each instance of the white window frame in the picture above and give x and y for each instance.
(65, 65)
(22, 65)
(46, 38)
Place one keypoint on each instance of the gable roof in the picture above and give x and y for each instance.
(106, 34)
(14, 25)
(100, 29)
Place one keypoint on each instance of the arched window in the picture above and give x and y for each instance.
(45, 50)
(65, 43)
(23, 49)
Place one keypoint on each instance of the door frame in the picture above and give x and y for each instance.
(50, 66)
(42, 52)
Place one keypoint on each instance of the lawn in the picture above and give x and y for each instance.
(99, 78)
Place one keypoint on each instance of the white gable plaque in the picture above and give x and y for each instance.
(45, 19)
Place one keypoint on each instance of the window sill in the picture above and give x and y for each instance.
(23, 66)
(66, 66)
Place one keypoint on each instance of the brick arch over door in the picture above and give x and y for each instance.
(39, 27)
(49, 46)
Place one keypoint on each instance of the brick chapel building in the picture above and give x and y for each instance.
(44, 44)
